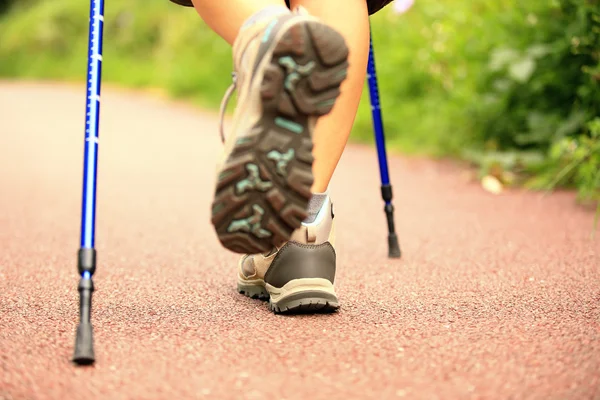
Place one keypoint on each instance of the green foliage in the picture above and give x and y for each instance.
(512, 86)
(5, 4)
(146, 44)
(426, 59)
(540, 91)
(575, 161)
(427, 63)
(540, 86)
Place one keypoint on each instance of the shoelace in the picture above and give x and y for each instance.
(224, 103)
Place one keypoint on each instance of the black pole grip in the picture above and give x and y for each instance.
(389, 213)
(393, 244)
(84, 339)
(84, 345)
(85, 288)
(86, 261)
(386, 193)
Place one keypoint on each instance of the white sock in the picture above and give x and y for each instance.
(315, 204)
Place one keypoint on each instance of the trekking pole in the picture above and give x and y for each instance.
(386, 187)
(84, 341)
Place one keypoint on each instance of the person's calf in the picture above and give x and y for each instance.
(349, 18)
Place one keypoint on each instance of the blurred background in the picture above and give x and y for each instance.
(510, 87)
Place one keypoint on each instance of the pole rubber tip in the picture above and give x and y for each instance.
(84, 345)
(394, 247)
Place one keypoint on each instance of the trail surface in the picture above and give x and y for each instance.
(496, 297)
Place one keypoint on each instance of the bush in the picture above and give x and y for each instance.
(541, 95)
(428, 61)
(576, 159)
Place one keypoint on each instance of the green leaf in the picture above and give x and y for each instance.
(522, 70)
(594, 127)
(502, 57)
(538, 50)
(572, 124)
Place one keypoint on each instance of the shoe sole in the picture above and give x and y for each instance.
(299, 296)
(263, 189)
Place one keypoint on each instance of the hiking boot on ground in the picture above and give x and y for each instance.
(298, 277)
(288, 72)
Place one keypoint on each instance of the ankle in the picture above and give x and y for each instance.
(315, 204)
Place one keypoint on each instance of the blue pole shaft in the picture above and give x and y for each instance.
(377, 118)
(84, 340)
(90, 164)
(386, 187)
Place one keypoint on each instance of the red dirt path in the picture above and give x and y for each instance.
(496, 297)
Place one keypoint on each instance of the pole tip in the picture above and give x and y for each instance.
(84, 345)
(394, 246)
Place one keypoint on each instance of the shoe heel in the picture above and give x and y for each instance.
(307, 295)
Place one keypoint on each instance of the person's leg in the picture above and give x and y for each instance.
(226, 17)
(351, 19)
(300, 275)
(288, 70)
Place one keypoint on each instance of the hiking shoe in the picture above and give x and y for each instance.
(299, 276)
(288, 72)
